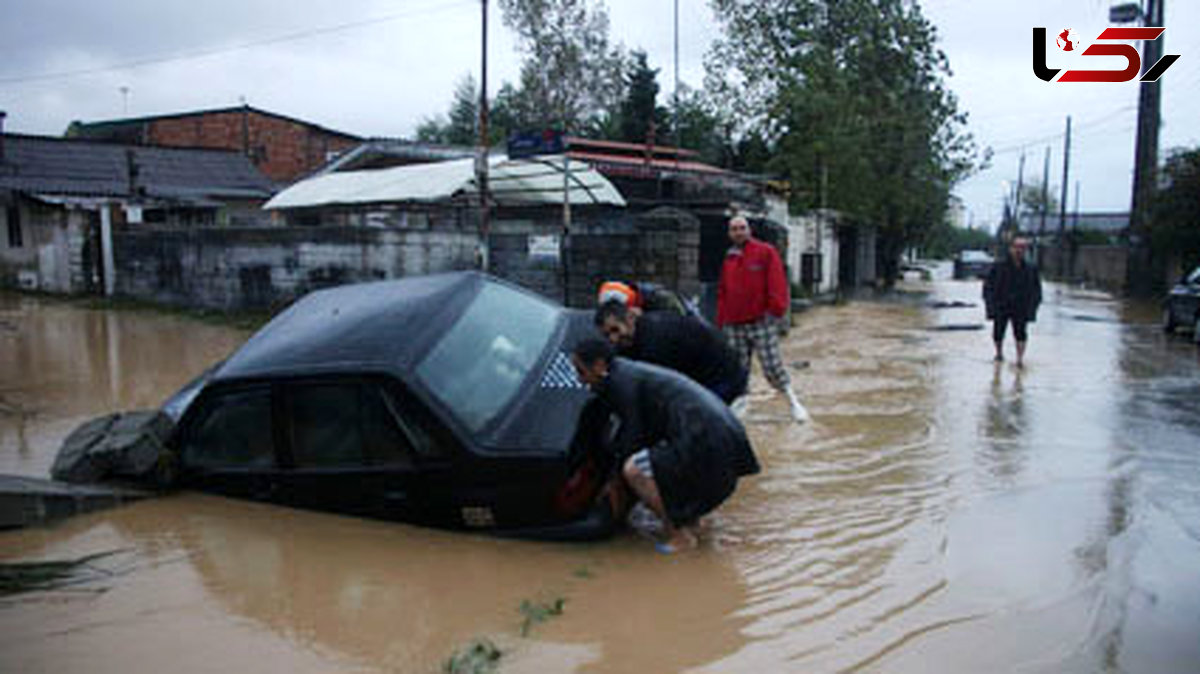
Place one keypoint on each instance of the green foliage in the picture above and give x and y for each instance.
(539, 612)
(479, 657)
(1175, 220)
(698, 125)
(1034, 201)
(848, 94)
(943, 241)
(571, 74)
(639, 108)
(461, 125)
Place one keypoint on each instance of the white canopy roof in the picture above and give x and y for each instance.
(511, 182)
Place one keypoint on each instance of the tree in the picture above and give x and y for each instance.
(1175, 220)
(849, 96)
(697, 124)
(571, 73)
(639, 108)
(461, 125)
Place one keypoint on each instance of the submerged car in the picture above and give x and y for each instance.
(972, 264)
(1182, 306)
(445, 400)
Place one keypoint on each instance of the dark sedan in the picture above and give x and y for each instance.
(972, 264)
(445, 400)
(1182, 306)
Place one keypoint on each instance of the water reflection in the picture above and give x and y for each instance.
(940, 513)
(1004, 424)
(61, 364)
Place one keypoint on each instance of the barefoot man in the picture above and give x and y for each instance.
(681, 450)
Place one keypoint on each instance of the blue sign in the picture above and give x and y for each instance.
(533, 144)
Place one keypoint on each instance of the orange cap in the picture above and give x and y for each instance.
(622, 292)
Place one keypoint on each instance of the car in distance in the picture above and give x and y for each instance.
(1182, 305)
(445, 400)
(972, 264)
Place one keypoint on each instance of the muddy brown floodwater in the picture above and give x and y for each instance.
(942, 514)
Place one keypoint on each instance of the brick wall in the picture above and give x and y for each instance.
(282, 149)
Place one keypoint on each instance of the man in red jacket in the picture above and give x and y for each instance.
(752, 299)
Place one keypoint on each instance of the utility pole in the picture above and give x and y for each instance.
(1062, 205)
(1045, 205)
(675, 95)
(1017, 196)
(481, 152)
(1074, 234)
(1140, 279)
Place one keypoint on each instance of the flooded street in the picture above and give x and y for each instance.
(941, 513)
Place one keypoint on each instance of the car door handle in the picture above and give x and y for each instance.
(396, 497)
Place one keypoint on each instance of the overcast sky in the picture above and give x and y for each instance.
(378, 68)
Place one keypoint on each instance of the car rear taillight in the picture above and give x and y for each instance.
(576, 493)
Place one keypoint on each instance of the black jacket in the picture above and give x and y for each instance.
(1012, 291)
(690, 346)
(698, 448)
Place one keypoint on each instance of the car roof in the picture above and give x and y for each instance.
(367, 327)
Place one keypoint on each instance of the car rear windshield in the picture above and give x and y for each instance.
(478, 366)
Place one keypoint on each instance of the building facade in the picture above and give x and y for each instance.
(283, 148)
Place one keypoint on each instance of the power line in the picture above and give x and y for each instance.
(1016, 146)
(201, 53)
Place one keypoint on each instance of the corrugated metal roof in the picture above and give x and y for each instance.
(46, 165)
(511, 183)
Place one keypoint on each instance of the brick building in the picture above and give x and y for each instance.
(283, 148)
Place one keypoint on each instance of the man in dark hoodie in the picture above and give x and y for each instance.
(682, 343)
(1012, 292)
(680, 449)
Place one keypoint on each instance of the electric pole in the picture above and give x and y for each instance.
(1045, 207)
(1141, 277)
(481, 153)
(1062, 206)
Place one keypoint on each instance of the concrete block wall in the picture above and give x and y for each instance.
(252, 268)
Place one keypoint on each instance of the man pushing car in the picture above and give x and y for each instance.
(680, 449)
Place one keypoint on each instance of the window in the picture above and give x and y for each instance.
(13, 217)
(234, 431)
(478, 366)
(351, 424)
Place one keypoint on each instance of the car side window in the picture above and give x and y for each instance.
(326, 425)
(404, 416)
(234, 431)
(354, 424)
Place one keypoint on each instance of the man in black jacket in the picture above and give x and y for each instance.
(680, 449)
(1012, 292)
(682, 343)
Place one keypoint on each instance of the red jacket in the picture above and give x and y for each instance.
(752, 284)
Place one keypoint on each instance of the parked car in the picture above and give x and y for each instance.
(972, 264)
(1182, 306)
(446, 400)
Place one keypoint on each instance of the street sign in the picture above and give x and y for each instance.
(545, 247)
(533, 144)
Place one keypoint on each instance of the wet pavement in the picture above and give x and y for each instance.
(942, 513)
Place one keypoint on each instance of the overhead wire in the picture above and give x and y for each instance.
(212, 51)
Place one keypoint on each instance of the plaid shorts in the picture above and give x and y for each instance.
(641, 461)
(762, 337)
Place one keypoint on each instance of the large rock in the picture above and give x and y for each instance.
(127, 445)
